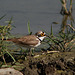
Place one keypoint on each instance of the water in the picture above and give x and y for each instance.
(40, 13)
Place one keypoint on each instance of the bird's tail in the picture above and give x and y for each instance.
(7, 39)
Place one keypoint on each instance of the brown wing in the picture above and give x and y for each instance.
(34, 42)
(26, 40)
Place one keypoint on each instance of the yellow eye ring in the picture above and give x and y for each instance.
(42, 34)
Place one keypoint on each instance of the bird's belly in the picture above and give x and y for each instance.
(37, 44)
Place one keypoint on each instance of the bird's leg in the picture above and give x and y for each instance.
(21, 50)
(31, 50)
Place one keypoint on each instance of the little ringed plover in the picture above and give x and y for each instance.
(29, 41)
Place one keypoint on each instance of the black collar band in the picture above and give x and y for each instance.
(39, 39)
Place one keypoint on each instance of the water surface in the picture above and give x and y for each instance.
(40, 13)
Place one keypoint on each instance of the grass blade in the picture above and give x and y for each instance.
(2, 16)
(11, 56)
(51, 31)
(28, 25)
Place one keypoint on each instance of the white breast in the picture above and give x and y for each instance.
(41, 38)
(39, 42)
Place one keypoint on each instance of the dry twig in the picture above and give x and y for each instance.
(71, 27)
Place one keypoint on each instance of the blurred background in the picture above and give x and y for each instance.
(40, 13)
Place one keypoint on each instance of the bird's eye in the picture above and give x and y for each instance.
(42, 34)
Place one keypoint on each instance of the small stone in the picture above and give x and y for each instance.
(9, 71)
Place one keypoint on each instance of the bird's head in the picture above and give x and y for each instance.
(41, 35)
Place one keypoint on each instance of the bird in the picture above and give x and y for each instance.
(29, 41)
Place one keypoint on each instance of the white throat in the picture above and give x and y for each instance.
(41, 38)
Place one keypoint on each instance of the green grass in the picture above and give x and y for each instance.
(4, 33)
(57, 42)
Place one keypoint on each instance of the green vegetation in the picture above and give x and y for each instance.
(28, 25)
(64, 41)
(61, 42)
(4, 33)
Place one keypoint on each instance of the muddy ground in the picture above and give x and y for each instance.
(62, 63)
(45, 63)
